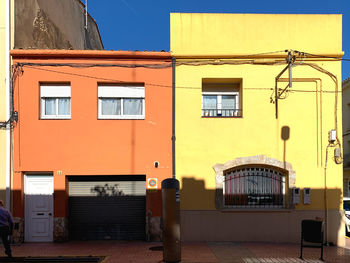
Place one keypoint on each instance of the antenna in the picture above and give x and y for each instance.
(86, 3)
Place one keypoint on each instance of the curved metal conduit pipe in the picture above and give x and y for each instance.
(318, 109)
(318, 89)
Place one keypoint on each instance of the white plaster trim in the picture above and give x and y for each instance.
(257, 159)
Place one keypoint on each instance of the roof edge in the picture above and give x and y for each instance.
(40, 53)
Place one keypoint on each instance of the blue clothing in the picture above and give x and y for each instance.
(5, 218)
(6, 224)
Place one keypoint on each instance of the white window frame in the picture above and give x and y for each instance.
(54, 92)
(219, 101)
(121, 92)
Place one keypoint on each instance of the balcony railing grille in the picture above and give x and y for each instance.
(221, 113)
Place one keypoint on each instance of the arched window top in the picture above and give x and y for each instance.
(255, 167)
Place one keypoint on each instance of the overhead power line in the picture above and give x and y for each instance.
(148, 83)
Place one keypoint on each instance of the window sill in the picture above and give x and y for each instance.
(121, 117)
(222, 117)
(256, 210)
(54, 118)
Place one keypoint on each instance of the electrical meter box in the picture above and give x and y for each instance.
(307, 196)
(296, 195)
(332, 136)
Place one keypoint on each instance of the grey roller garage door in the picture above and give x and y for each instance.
(105, 207)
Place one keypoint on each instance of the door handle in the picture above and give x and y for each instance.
(39, 214)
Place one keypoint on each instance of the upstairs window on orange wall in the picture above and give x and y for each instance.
(221, 98)
(55, 101)
(125, 101)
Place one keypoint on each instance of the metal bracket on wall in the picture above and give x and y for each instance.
(290, 60)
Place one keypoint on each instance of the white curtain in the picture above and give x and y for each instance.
(209, 105)
(209, 102)
(228, 103)
(110, 106)
(64, 106)
(50, 106)
(132, 106)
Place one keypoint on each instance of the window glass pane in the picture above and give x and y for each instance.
(110, 106)
(132, 106)
(64, 106)
(209, 102)
(228, 102)
(50, 106)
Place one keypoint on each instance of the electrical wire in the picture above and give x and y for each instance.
(88, 65)
(320, 56)
(152, 84)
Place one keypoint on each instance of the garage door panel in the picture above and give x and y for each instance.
(95, 217)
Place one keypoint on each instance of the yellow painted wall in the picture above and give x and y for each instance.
(203, 142)
(196, 34)
(3, 96)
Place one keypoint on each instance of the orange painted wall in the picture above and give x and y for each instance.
(85, 145)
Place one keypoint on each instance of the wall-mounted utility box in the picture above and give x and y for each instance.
(332, 136)
(307, 196)
(296, 195)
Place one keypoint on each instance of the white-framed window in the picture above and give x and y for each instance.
(221, 99)
(254, 187)
(55, 101)
(220, 104)
(121, 101)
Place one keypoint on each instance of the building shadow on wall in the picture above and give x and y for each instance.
(202, 219)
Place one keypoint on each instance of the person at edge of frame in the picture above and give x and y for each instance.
(6, 226)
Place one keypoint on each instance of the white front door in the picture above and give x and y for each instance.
(38, 222)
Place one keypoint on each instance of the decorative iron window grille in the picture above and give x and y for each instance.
(254, 187)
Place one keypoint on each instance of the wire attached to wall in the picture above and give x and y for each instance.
(16, 71)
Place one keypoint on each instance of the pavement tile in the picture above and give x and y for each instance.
(192, 252)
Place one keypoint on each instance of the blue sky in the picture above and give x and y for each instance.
(144, 25)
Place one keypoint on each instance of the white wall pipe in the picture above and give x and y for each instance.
(8, 99)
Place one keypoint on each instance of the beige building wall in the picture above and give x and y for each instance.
(45, 24)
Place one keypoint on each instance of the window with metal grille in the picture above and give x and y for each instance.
(221, 98)
(254, 187)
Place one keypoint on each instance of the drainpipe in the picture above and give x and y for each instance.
(8, 103)
(173, 138)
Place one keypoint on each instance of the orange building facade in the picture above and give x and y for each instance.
(91, 145)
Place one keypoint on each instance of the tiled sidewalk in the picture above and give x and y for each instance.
(210, 252)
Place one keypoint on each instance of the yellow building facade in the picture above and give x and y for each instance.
(253, 154)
